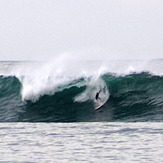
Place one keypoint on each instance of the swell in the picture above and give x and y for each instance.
(9, 86)
(135, 97)
(10, 99)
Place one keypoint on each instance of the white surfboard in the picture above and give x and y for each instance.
(99, 104)
(98, 107)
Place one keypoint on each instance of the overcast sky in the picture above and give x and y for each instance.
(44, 29)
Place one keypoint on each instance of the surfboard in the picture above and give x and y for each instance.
(99, 104)
(98, 107)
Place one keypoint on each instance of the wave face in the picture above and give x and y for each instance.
(134, 96)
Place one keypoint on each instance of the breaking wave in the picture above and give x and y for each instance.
(130, 97)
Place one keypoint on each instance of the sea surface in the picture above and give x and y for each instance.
(48, 111)
(81, 142)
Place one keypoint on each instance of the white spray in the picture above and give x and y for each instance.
(40, 78)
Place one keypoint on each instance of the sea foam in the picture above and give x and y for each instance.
(44, 78)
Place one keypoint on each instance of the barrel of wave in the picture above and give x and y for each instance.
(94, 86)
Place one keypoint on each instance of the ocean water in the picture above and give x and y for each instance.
(48, 111)
(81, 142)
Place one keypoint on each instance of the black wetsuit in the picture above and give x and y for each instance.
(97, 95)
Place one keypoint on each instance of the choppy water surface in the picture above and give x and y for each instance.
(81, 142)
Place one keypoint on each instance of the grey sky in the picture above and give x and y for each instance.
(39, 29)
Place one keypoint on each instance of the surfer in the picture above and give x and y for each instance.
(97, 95)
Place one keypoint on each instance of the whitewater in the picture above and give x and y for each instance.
(64, 90)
